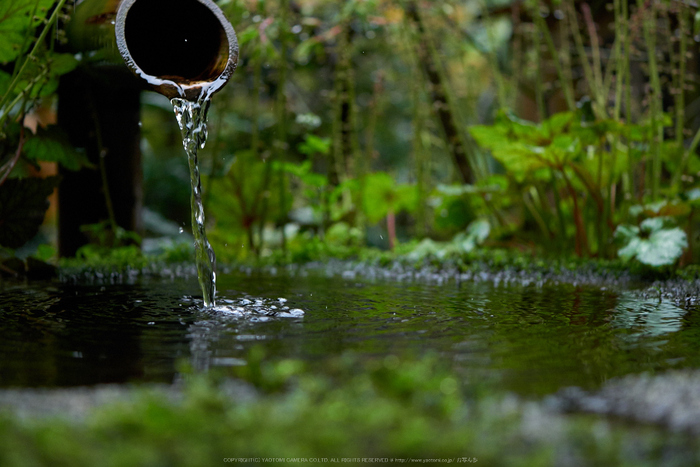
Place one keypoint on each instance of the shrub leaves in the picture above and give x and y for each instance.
(23, 204)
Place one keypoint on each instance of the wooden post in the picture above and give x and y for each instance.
(101, 116)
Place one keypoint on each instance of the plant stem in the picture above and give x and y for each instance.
(391, 228)
(557, 205)
(629, 192)
(364, 161)
(7, 168)
(595, 46)
(536, 215)
(102, 153)
(687, 153)
(680, 98)
(583, 57)
(539, 92)
(493, 58)
(462, 153)
(655, 99)
(281, 113)
(581, 245)
(263, 193)
(680, 88)
(566, 86)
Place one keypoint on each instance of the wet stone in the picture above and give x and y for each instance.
(671, 399)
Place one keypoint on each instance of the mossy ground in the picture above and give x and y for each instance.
(341, 408)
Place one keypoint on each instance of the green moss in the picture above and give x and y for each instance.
(342, 407)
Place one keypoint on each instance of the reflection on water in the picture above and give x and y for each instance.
(528, 339)
(647, 317)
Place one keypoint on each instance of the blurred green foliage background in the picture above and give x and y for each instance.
(559, 126)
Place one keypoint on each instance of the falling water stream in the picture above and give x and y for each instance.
(192, 119)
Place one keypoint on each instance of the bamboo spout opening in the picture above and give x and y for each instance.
(182, 48)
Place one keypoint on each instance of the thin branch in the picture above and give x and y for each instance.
(12, 162)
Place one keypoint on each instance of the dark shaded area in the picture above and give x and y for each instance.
(175, 38)
(84, 335)
(100, 114)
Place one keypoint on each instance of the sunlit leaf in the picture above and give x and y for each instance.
(315, 145)
(382, 194)
(651, 243)
(14, 23)
(479, 230)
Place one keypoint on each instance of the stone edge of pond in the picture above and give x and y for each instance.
(680, 288)
(670, 399)
(78, 403)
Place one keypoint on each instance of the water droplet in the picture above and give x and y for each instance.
(181, 230)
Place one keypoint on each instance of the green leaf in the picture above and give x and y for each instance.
(248, 34)
(14, 25)
(62, 63)
(425, 248)
(406, 198)
(382, 194)
(558, 123)
(626, 232)
(479, 230)
(303, 52)
(52, 145)
(23, 204)
(45, 252)
(315, 145)
(651, 243)
(379, 188)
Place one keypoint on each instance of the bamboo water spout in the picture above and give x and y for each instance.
(181, 48)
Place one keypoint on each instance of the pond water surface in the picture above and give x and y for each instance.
(531, 339)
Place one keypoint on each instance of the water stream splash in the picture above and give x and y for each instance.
(192, 119)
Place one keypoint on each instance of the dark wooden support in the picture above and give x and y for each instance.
(100, 113)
